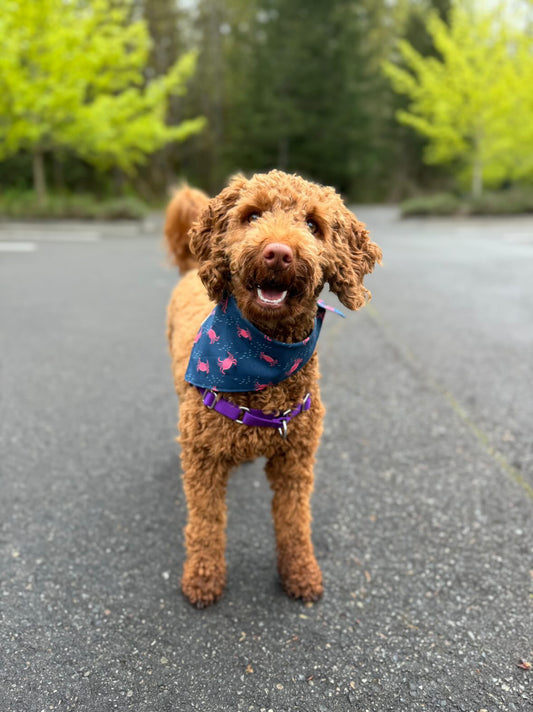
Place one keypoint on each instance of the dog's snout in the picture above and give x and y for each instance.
(277, 255)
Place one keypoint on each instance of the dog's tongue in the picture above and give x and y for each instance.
(272, 294)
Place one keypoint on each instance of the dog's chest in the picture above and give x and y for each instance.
(238, 443)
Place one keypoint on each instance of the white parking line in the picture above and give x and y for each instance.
(17, 246)
(38, 236)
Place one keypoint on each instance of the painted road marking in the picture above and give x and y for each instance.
(17, 246)
(39, 236)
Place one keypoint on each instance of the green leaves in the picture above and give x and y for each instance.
(466, 100)
(303, 91)
(72, 74)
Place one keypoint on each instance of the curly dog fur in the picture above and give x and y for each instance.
(241, 239)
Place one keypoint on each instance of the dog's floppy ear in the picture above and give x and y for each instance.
(206, 239)
(354, 256)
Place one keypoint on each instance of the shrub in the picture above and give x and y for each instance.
(438, 204)
(83, 206)
(505, 202)
(513, 201)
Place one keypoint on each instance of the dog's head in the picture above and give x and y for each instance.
(273, 242)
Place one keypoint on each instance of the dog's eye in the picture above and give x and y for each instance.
(312, 226)
(252, 217)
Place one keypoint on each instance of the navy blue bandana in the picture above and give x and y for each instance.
(231, 355)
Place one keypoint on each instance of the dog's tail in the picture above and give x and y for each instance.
(184, 208)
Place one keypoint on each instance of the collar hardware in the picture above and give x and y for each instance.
(251, 416)
(243, 410)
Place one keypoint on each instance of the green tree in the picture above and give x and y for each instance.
(168, 25)
(297, 84)
(303, 90)
(407, 146)
(466, 99)
(209, 94)
(72, 77)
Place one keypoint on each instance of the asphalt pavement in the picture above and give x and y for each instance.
(422, 507)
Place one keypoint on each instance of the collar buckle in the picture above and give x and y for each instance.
(282, 430)
(242, 410)
(216, 398)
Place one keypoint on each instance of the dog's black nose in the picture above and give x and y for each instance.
(277, 255)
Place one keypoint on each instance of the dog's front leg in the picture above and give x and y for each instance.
(290, 474)
(204, 571)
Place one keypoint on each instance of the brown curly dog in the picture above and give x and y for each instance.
(272, 242)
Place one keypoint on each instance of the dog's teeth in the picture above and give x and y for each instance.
(271, 301)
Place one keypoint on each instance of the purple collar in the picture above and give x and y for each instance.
(252, 416)
(231, 355)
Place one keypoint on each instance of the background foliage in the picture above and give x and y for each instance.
(72, 79)
(473, 101)
(381, 98)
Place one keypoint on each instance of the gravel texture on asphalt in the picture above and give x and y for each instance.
(422, 508)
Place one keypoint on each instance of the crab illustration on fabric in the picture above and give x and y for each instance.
(231, 354)
(244, 333)
(271, 361)
(202, 366)
(294, 366)
(226, 363)
(213, 338)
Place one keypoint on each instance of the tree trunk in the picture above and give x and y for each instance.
(119, 181)
(39, 177)
(477, 178)
(58, 173)
(215, 57)
(477, 168)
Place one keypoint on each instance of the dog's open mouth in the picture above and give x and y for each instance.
(271, 296)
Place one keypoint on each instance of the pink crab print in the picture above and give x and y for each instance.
(294, 366)
(197, 337)
(244, 333)
(212, 336)
(271, 361)
(261, 386)
(226, 363)
(305, 341)
(203, 367)
(224, 305)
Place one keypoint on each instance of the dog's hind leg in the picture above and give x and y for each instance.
(290, 474)
(204, 571)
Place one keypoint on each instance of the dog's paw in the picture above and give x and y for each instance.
(303, 582)
(202, 584)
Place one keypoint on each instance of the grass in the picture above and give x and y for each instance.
(514, 201)
(83, 206)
